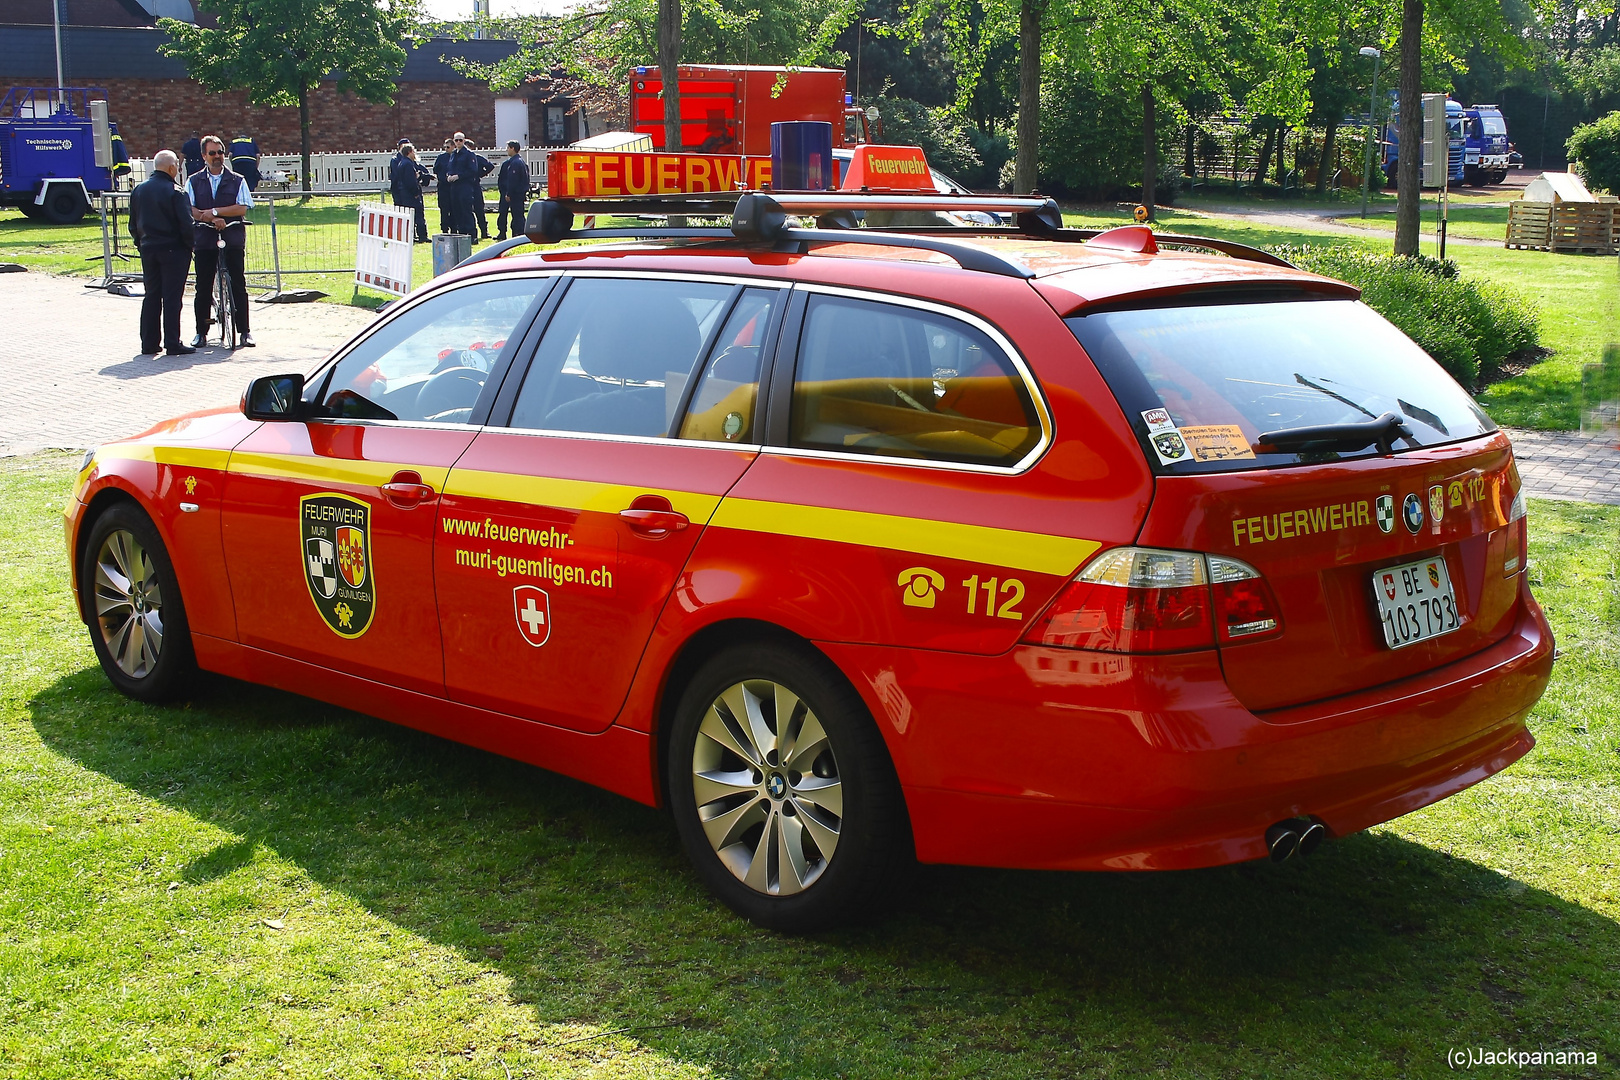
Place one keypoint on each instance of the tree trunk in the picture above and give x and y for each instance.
(1324, 161)
(303, 133)
(1282, 145)
(1264, 164)
(669, 59)
(1029, 94)
(1189, 167)
(1409, 174)
(1150, 150)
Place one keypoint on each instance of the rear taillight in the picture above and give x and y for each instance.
(1244, 606)
(1516, 552)
(1147, 600)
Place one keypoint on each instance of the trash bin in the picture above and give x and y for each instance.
(450, 250)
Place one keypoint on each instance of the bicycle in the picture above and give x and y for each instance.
(224, 310)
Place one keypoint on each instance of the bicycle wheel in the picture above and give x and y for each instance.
(224, 306)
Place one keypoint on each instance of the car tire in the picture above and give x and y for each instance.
(132, 600)
(64, 205)
(796, 828)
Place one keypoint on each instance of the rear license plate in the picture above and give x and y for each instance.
(1415, 601)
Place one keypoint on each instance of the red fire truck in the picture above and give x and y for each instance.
(729, 109)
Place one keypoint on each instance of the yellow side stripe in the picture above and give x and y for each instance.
(332, 470)
(193, 457)
(1040, 553)
(572, 494)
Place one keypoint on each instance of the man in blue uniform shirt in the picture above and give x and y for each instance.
(513, 185)
(220, 200)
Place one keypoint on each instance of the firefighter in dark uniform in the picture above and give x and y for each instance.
(461, 172)
(406, 179)
(191, 150)
(160, 221)
(513, 185)
(120, 156)
(245, 160)
(220, 200)
(485, 167)
(446, 190)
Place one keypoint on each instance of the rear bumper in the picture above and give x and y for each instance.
(1061, 759)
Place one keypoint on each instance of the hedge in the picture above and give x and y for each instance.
(1469, 327)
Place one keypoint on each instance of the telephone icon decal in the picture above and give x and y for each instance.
(919, 585)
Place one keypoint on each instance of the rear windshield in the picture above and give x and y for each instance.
(1201, 383)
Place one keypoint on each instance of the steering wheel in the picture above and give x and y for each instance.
(452, 388)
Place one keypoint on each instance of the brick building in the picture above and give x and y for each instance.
(114, 44)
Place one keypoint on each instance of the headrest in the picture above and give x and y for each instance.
(658, 336)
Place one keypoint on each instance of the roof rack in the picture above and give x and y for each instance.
(759, 217)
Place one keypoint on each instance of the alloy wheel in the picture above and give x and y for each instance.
(766, 784)
(129, 604)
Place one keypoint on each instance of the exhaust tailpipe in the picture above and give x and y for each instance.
(1294, 836)
(1282, 840)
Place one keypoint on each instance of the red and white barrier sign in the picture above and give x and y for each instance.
(382, 257)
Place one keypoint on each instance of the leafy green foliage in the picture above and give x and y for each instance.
(1469, 327)
(953, 146)
(1596, 147)
(1091, 139)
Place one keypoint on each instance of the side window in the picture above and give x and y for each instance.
(883, 379)
(724, 403)
(617, 356)
(430, 363)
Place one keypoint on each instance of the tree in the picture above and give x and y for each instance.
(279, 50)
(1409, 172)
(1596, 150)
(669, 59)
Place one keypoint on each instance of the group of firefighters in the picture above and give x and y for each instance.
(459, 171)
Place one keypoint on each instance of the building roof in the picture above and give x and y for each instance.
(91, 54)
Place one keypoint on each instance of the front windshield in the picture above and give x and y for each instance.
(1494, 125)
(1200, 384)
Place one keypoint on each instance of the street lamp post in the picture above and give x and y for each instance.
(1372, 126)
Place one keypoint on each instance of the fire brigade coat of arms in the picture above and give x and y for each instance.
(336, 533)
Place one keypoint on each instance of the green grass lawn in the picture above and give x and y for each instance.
(251, 884)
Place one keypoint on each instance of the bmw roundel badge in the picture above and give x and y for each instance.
(1412, 511)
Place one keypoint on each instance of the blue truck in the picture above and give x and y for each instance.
(1455, 130)
(1485, 145)
(48, 164)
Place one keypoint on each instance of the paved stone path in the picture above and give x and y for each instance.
(76, 381)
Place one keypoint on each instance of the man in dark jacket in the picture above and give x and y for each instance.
(406, 179)
(160, 221)
(461, 172)
(191, 150)
(513, 185)
(485, 167)
(446, 189)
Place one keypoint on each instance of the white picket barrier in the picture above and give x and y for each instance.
(362, 172)
(383, 252)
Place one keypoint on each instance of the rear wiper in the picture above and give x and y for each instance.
(1381, 431)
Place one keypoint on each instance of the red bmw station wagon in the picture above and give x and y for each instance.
(1016, 547)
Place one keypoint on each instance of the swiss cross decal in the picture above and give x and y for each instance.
(533, 609)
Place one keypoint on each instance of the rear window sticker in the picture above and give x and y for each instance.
(1216, 442)
(1158, 420)
(1169, 447)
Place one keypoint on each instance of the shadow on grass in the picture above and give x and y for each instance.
(1371, 960)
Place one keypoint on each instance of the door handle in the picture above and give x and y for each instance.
(653, 517)
(406, 490)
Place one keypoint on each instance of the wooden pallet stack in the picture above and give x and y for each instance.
(1559, 214)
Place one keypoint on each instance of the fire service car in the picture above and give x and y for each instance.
(1017, 547)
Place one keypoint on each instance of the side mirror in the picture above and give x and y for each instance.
(274, 397)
